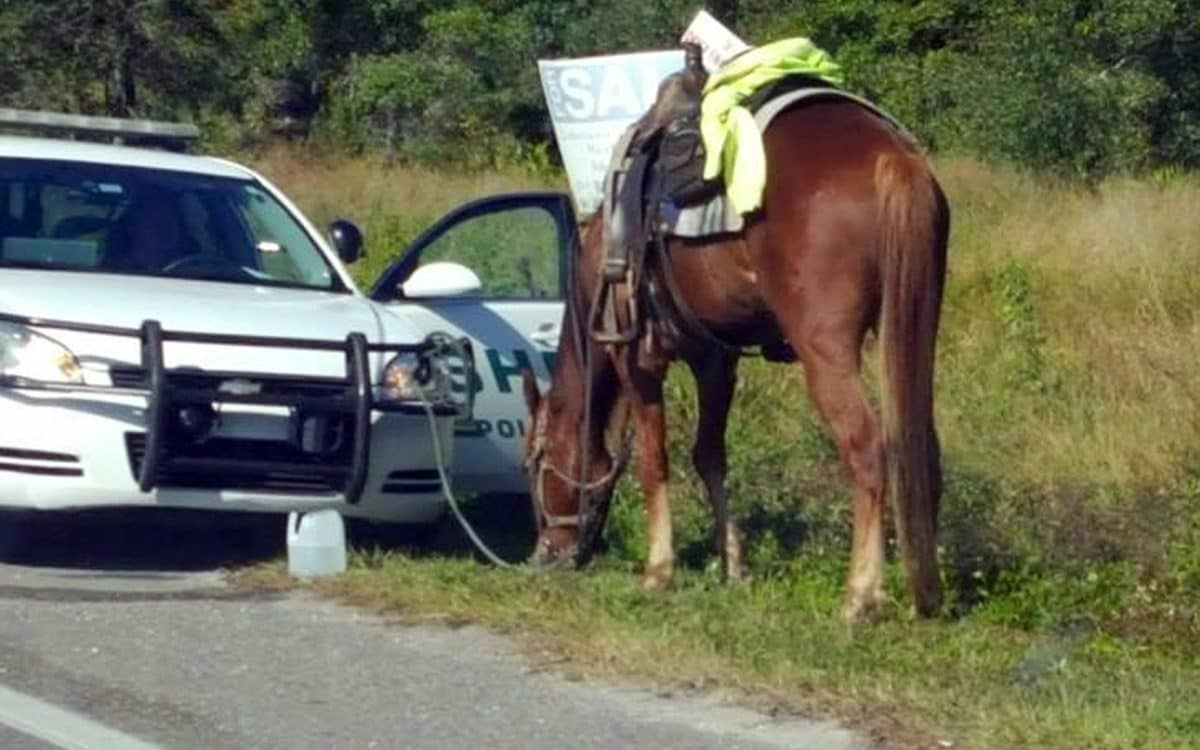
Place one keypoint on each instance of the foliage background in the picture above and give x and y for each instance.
(1080, 87)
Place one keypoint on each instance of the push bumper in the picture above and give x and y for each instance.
(298, 440)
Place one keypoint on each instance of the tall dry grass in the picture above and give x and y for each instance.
(1071, 342)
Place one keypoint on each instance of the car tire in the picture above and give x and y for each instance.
(14, 535)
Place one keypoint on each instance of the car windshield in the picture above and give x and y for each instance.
(130, 220)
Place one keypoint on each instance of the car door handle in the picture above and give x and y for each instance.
(547, 336)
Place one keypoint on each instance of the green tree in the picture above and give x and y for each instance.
(118, 57)
(1082, 87)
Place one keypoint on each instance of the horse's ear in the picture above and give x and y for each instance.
(529, 385)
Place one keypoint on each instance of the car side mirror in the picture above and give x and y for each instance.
(442, 279)
(347, 240)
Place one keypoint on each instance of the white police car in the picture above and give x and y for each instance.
(173, 332)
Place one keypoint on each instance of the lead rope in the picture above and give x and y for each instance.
(578, 484)
(584, 542)
(439, 458)
(440, 461)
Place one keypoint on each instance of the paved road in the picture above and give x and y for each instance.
(132, 640)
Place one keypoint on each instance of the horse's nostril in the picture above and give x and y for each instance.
(547, 554)
(543, 555)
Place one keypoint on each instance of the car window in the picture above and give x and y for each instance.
(274, 232)
(104, 218)
(514, 252)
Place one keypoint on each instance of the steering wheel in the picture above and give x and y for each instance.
(215, 262)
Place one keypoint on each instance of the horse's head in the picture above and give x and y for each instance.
(570, 496)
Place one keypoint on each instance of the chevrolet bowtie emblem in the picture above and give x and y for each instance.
(240, 387)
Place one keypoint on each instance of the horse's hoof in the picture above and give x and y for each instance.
(738, 576)
(863, 608)
(657, 578)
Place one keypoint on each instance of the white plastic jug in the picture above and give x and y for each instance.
(316, 544)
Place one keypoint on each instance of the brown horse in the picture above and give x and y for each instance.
(851, 238)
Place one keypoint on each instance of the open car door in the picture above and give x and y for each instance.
(494, 270)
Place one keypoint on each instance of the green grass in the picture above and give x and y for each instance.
(1069, 407)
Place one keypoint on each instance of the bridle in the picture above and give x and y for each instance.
(538, 465)
(589, 517)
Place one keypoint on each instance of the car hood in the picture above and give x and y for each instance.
(181, 305)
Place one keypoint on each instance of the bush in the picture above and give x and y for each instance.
(1081, 87)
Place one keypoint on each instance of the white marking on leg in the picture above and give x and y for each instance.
(865, 582)
(661, 554)
(735, 570)
(867, 577)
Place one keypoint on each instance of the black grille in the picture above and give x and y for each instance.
(412, 481)
(331, 415)
(245, 465)
(127, 377)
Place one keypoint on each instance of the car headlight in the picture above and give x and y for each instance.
(414, 377)
(430, 375)
(24, 353)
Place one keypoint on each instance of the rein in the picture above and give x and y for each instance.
(587, 519)
(540, 465)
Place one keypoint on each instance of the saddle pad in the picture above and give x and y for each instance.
(717, 215)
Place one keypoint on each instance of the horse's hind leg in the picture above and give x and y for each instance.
(831, 363)
(716, 378)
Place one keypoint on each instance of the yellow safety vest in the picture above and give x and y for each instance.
(732, 142)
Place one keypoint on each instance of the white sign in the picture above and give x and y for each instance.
(592, 100)
(719, 45)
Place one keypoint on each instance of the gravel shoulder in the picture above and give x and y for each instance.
(178, 659)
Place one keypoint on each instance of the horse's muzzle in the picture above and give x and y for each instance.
(548, 556)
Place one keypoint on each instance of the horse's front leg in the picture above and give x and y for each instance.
(650, 424)
(716, 379)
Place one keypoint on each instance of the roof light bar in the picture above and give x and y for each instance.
(171, 135)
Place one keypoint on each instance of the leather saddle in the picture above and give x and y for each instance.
(660, 158)
(659, 162)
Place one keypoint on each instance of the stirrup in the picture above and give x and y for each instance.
(602, 325)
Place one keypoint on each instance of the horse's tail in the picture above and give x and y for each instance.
(915, 222)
